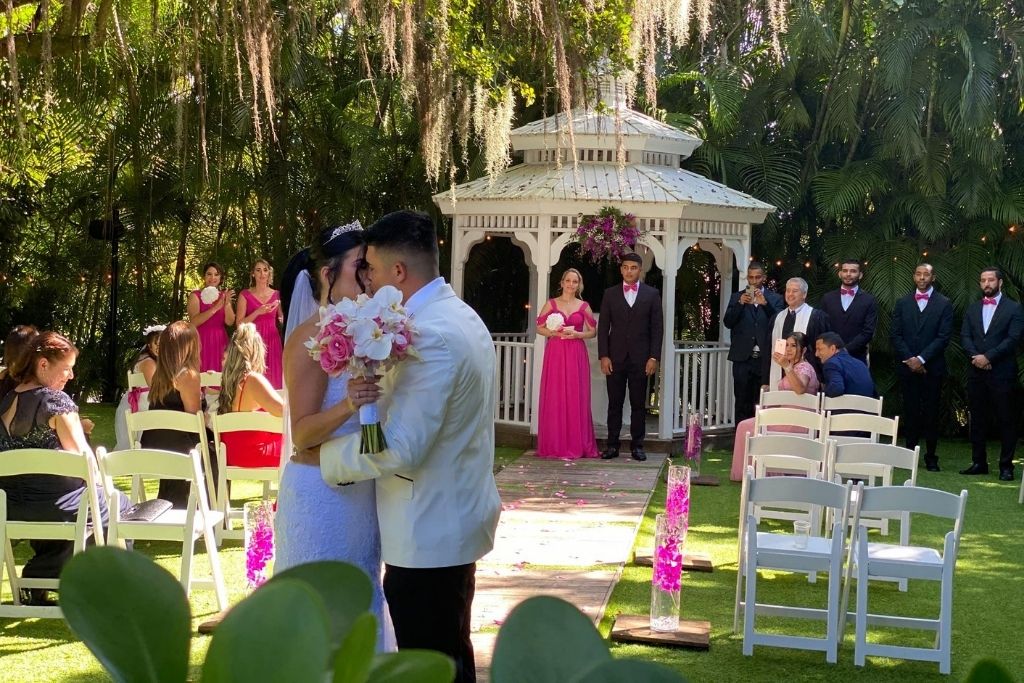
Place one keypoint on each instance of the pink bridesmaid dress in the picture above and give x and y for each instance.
(213, 338)
(266, 325)
(565, 428)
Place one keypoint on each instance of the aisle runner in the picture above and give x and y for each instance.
(566, 529)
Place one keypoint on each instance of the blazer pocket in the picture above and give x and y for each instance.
(398, 486)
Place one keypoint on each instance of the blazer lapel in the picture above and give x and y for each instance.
(997, 315)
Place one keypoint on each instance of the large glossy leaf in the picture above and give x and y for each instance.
(344, 588)
(412, 666)
(630, 671)
(546, 640)
(279, 633)
(354, 658)
(131, 613)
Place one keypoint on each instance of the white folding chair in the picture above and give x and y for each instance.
(241, 422)
(883, 560)
(789, 455)
(88, 521)
(852, 403)
(187, 525)
(781, 552)
(175, 420)
(874, 463)
(875, 426)
(789, 399)
(1020, 497)
(209, 383)
(136, 380)
(794, 420)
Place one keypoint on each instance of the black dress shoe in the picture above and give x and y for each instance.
(37, 597)
(610, 453)
(1006, 475)
(975, 468)
(932, 466)
(639, 455)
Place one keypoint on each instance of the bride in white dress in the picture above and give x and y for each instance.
(314, 521)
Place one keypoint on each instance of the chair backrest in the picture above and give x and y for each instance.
(803, 490)
(852, 402)
(789, 399)
(246, 421)
(136, 380)
(801, 421)
(147, 462)
(209, 378)
(176, 420)
(786, 444)
(875, 425)
(864, 460)
(913, 500)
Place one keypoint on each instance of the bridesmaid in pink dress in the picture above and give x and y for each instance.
(261, 306)
(798, 376)
(565, 428)
(210, 319)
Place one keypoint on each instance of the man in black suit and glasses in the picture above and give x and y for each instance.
(749, 317)
(629, 345)
(922, 323)
(991, 331)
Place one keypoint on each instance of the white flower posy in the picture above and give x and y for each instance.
(555, 322)
(209, 295)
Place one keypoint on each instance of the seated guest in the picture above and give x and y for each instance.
(175, 386)
(245, 388)
(18, 339)
(37, 413)
(798, 377)
(137, 398)
(843, 373)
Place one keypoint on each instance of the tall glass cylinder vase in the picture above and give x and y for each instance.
(259, 542)
(677, 497)
(694, 444)
(668, 573)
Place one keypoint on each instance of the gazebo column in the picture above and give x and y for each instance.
(458, 258)
(539, 274)
(724, 264)
(534, 311)
(738, 258)
(669, 385)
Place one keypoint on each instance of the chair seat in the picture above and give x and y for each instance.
(816, 545)
(172, 520)
(888, 552)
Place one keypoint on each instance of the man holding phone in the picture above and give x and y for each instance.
(749, 317)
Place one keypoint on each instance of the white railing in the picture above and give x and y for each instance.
(704, 386)
(511, 336)
(513, 377)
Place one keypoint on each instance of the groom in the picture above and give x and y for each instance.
(629, 346)
(437, 501)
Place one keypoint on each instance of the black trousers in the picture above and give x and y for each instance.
(431, 609)
(921, 401)
(988, 398)
(632, 374)
(746, 380)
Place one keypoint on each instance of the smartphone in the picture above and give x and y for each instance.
(780, 347)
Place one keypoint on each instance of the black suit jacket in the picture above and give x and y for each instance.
(856, 325)
(751, 325)
(999, 344)
(922, 333)
(634, 332)
(817, 324)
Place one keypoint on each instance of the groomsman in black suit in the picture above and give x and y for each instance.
(851, 311)
(629, 335)
(991, 331)
(922, 324)
(749, 316)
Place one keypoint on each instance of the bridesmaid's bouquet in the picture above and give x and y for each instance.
(209, 295)
(555, 322)
(367, 337)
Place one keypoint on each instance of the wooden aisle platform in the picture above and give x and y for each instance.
(566, 529)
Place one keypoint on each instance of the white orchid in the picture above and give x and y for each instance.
(371, 341)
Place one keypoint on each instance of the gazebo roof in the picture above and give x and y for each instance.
(691, 194)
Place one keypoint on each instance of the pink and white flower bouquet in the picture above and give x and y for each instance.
(366, 337)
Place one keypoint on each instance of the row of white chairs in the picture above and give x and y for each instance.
(845, 558)
(827, 425)
(187, 525)
(219, 489)
(820, 403)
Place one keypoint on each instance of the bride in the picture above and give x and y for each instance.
(314, 521)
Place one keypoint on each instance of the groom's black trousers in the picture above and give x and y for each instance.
(431, 609)
(633, 374)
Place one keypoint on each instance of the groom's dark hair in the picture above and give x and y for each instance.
(409, 233)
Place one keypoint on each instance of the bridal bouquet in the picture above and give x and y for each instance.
(366, 336)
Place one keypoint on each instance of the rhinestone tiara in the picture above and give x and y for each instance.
(342, 229)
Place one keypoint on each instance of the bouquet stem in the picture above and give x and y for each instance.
(373, 436)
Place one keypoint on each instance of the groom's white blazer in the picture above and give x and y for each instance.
(437, 502)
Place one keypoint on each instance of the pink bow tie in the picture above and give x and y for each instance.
(626, 287)
(847, 292)
(988, 301)
(921, 297)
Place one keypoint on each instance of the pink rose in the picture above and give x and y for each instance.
(339, 348)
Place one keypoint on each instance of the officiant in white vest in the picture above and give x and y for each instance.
(798, 316)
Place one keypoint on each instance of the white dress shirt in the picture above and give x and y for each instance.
(988, 311)
(631, 294)
(847, 299)
(921, 303)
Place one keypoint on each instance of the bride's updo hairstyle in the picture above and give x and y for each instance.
(328, 249)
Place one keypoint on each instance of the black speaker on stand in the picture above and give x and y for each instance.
(110, 229)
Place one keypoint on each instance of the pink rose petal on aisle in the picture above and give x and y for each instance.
(580, 501)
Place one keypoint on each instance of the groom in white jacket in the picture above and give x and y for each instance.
(437, 501)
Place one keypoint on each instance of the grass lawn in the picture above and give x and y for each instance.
(988, 592)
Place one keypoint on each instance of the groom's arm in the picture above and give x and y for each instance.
(421, 393)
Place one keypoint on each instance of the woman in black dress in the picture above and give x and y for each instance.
(38, 414)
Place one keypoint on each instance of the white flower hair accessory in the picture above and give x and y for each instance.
(153, 328)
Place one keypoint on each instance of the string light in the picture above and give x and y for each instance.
(983, 238)
(807, 264)
(924, 253)
(1013, 229)
(778, 263)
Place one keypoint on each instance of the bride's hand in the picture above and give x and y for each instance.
(362, 390)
